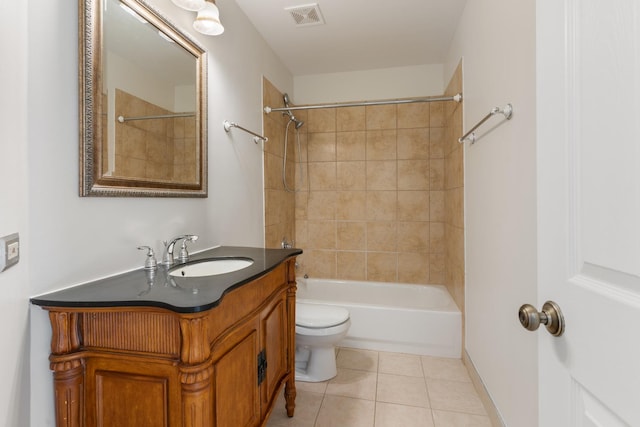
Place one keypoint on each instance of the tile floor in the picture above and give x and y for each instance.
(379, 389)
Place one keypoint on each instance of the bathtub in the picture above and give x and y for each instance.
(402, 318)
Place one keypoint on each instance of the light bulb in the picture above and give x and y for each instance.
(193, 5)
(208, 21)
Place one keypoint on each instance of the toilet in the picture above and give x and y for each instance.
(319, 328)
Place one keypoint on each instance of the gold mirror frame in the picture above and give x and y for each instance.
(91, 56)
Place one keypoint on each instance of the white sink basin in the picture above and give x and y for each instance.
(211, 267)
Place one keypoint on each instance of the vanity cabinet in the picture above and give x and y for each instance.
(152, 366)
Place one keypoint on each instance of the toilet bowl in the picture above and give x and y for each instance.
(319, 328)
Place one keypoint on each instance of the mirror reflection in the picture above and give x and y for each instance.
(149, 86)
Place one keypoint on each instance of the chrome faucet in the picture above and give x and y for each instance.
(167, 258)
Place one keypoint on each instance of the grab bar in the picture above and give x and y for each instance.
(507, 112)
(256, 136)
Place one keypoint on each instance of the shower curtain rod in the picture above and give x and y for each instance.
(457, 98)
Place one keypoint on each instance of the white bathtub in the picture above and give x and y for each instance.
(417, 319)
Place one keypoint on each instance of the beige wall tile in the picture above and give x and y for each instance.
(350, 118)
(413, 206)
(351, 175)
(436, 174)
(436, 269)
(381, 236)
(436, 206)
(351, 145)
(413, 174)
(381, 205)
(414, 115)
(351, 206)
(413, 144)
(381, 144)
(457, 207)
(382, 267)
(322, 176)
(321, 147)
(319, 263)
(382, 175)
(413, 268)
(301, 239)
(321, 205)
(322, 120)
(413, 237)
(322, 234)
(381, 117)
(301, 199)
(351, 236)
(437, 116)
(273, 172)
(437, 238)
(436, 142)
(351, 265)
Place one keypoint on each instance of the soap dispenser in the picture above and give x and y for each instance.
(150, 263)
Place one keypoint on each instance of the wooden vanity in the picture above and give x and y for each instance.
(144, 350)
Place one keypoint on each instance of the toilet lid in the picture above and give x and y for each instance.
(320, 316)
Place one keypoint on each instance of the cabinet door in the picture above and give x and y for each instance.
(236, 399)
(131, 393)
(274, 339)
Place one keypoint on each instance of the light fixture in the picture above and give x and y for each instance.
(192, 5)
(208, 20)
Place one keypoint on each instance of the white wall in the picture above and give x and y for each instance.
(14, 285)
(71, 239)
(385, 83)
(496, 39)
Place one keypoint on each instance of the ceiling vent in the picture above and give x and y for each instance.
(304, 15)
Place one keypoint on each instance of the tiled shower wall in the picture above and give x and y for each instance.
(279, 204)
(376, 191)
(454, 194)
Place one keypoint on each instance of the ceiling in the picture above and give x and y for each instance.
(357, 34)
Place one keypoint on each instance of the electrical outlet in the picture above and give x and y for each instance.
(9, 251)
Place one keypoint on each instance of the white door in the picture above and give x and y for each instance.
(588, 112)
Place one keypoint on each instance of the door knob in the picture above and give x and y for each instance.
(550, 316)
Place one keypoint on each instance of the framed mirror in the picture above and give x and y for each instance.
(143, 103)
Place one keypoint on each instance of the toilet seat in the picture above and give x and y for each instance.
(318, 316)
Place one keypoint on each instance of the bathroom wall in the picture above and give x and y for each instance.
(383, 83)
(496, 39)
(69, 240)
(14, 214)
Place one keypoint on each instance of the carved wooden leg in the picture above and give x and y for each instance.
(68, 383)
(197, 410)
(196, 372)
(290, 395)
(68, 369)
(290, 386)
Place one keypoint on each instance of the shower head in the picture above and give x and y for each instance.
(292, 118)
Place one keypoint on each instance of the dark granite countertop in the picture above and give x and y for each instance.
(157, 289)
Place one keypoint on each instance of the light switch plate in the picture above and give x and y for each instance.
(9, 251)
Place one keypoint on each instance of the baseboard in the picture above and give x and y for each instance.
(492, 411)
